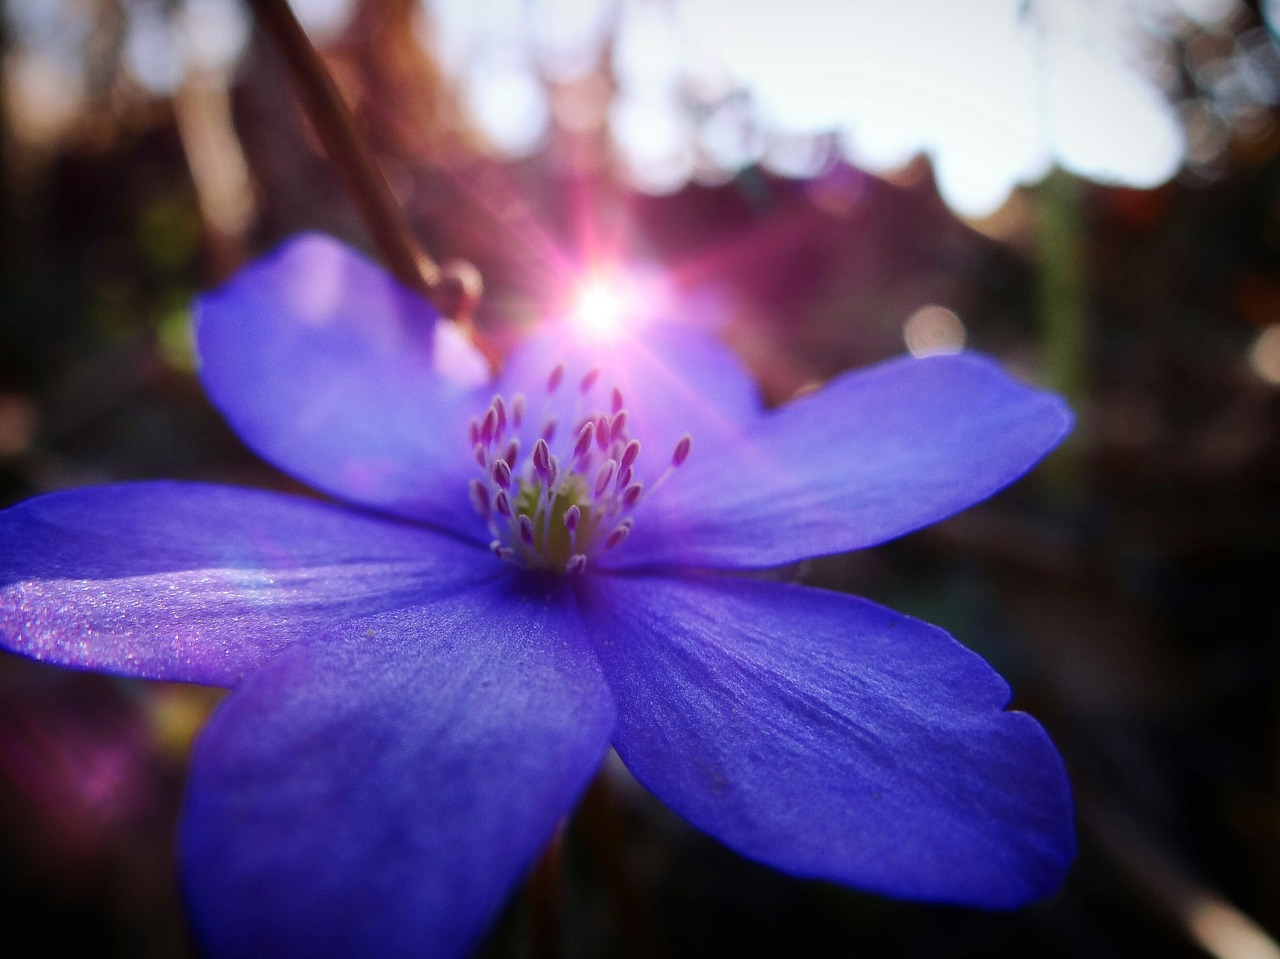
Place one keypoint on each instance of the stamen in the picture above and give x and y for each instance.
(501, 473)
(541, 457)
(682, 450)
(585, 437)
(480, 498)
(629, 454)
(678, 456)
(604, 477)
(557, 506)
(500, 408)
(618, 426)
(631, 495)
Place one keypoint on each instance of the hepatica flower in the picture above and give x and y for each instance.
(517, 574)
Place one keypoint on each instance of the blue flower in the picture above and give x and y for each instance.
(521, 573)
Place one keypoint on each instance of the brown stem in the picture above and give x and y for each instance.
(603, 829)
(331, 118)
(544, 900)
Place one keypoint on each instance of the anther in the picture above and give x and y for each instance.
(576, 564)
(549, 429)
(604, 477)
(589, 380)
(585, 437)
(500, 408)
(541, 456)
(487, 427)
(512, 453)
(502, 473)
(517, 410)
(617, 536)
(618, 426)
(557, 375)
(502, 505)
(602, 433)
(480, 498)
(482, 458)
(615, 400)
(571, 517)
(526, 529)
(629, 454)
(682, 450)
(631, 495)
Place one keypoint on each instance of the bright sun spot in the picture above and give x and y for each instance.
(601, 306)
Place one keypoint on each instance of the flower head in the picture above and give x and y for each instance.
(520, 573)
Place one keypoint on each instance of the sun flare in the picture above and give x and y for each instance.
(601, 306)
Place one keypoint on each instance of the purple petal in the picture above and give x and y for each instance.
(203, 583)
(673, 380)
(832, 738)
(378, 793)
(875, 454)
(335, 373)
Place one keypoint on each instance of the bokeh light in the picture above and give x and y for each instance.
(508, 105)
(1264, 357)
(994, 92)
(933, 331)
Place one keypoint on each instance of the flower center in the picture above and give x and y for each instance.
(570, 497)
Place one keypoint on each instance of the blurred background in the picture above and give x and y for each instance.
(1087, 189)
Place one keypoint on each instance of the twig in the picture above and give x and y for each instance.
(545, 900)
(601, 821)
(453, 289)
(1199, 913)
